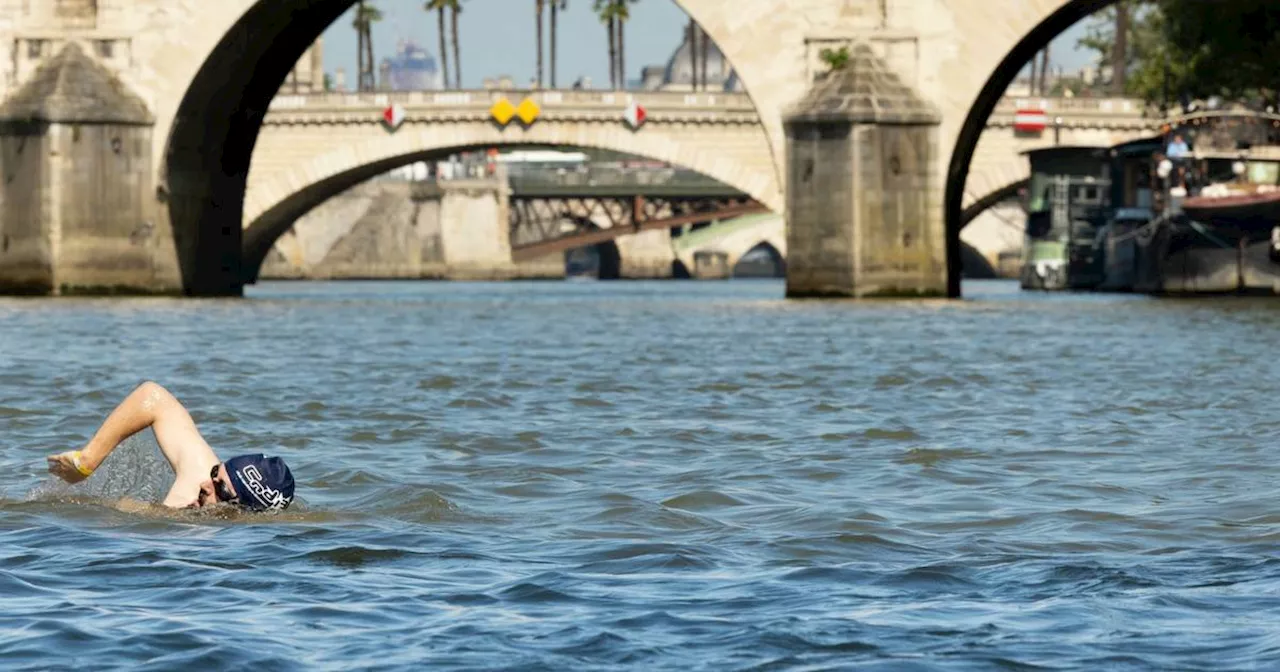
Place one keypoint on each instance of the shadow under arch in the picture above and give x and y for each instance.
(216, 126)
(971, 131)
(761, 261)
(267, 228)
(261, 233)
(974, 265)
(603, 260)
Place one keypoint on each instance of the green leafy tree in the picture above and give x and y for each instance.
(1137, 44)
(1226, 48)
(1189, 49)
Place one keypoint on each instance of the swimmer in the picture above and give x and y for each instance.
(200, 479)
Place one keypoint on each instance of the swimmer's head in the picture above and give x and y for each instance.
(258, 483)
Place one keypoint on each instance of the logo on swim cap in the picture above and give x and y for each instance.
(263, 483)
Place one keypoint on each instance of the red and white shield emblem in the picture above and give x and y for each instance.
(393, 116)
(635, 115)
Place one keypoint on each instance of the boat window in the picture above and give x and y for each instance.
(1039, 193)
(1264, 172)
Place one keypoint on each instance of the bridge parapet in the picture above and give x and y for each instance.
(439, 106)
(1101, 113)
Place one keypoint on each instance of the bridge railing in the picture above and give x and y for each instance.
(526, 177)
(484, 98)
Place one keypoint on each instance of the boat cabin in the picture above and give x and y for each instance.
(1067, 201)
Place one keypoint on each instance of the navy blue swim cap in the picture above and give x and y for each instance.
(263, 483)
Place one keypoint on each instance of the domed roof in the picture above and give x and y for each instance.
(680, 67)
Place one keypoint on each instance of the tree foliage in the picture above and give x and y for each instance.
(1180, 50)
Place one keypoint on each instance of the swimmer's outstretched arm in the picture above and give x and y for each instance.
(149, 405)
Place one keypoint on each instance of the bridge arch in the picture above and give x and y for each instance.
(1039, 22)
(240, 52)
(733, 238)
(274, 204)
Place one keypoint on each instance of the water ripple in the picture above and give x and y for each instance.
(692, 476)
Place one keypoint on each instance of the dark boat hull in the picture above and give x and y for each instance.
(1252, 211)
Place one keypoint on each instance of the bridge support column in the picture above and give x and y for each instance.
(645, 255)
(475, 235)
(864, 203)
(79, 214)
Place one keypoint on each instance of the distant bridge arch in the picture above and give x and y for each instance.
(733, 238)
(296, 181)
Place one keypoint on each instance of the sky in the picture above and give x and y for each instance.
(497, 37)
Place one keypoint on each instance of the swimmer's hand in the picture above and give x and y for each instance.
(68, 466)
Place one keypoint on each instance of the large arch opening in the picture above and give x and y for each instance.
(215, 130)
(575, 188)
(1070, 13)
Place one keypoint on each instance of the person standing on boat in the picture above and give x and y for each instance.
(200, 479)
(1177, 149)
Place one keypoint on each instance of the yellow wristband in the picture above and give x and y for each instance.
(75, 459)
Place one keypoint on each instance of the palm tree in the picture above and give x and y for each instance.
(439, 6)
(366, 16)
(614, 14)
(607, 10)
(556, 6)
(455, 9)
(705, 45)
(691, 36)
(1044, 71)
(355, 23)
(624, 15)
(538, 4)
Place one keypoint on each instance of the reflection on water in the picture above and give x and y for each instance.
(654, 475)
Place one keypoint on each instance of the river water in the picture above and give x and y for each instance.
(667, 475)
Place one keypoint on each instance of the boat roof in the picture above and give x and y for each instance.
(1139, 146)
(1065, 150)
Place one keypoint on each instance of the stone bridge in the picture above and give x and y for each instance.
(315, 146)
(208, 71)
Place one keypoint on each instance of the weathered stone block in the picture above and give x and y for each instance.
(862, 201)
(79, 216)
